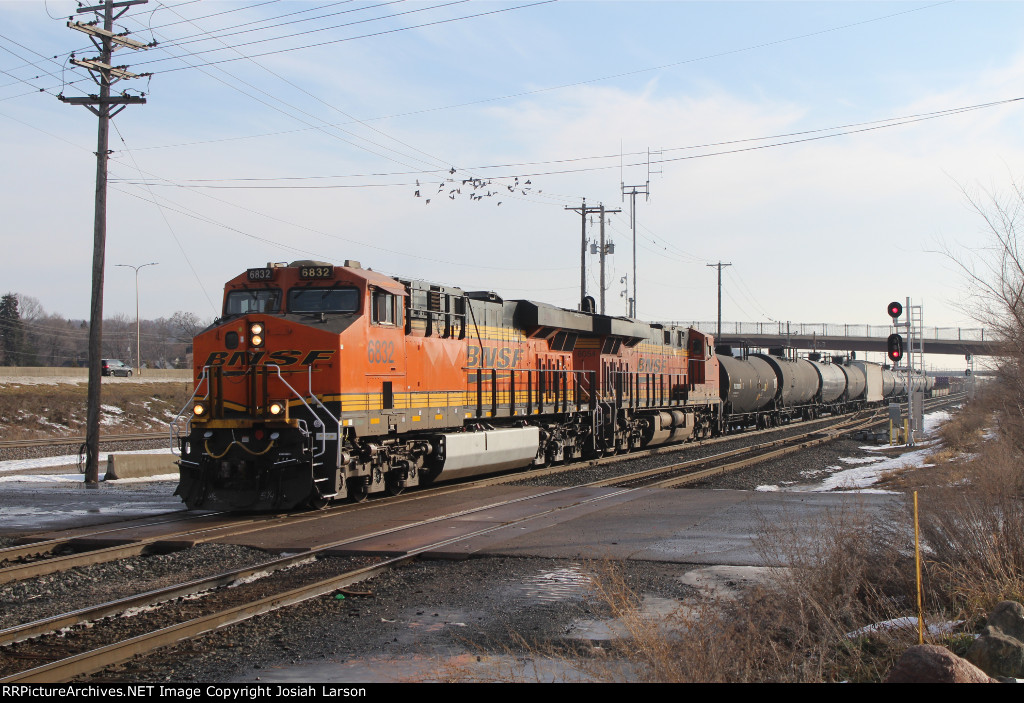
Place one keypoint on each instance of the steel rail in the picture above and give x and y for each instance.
(71, 441)
(20, 572)
(41, 548)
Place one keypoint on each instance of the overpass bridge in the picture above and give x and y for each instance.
(843, 337)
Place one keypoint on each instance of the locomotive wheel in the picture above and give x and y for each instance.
(622, 445)
(358, 491)
(394, 488)
(316, 501)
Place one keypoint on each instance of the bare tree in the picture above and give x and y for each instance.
(31, 309)
(186, 325)
(995, 278)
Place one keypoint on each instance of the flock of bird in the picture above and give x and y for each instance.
(455, 188)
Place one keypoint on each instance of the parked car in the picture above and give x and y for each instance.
(115, 367)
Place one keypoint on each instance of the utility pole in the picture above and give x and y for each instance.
(633, 192)
(103, 106)
(605, 250)
(583, 210)
(138, 337)
(719, 266)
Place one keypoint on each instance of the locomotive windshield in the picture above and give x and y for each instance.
(323, 300)
(258, 300)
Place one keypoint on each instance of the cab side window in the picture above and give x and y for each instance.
(384, 306)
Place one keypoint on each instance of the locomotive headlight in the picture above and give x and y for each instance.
(256, 334)
(198, 409)
(276, 408)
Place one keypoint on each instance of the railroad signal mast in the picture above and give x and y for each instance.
(914, 347)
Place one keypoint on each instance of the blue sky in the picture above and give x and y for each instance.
(294, 151)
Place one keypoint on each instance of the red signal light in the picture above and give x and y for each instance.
(895, 309)
(895, 347)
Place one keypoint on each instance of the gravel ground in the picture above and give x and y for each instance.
(805, 467)
(414, 622)
(46, 596)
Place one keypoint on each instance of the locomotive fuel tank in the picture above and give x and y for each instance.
(462, 454)
(669, 426)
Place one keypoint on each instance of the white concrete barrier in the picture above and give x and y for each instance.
(139, 465)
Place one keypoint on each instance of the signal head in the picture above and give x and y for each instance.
(895, 309)
(895, 348)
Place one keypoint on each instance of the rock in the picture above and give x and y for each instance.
(1008, 618)
(928, 663)
(997, 653)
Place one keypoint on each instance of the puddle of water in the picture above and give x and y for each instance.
(568, 583)
(652, 609)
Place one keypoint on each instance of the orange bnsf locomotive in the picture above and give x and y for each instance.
(324, 382)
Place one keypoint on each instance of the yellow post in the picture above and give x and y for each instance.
(917, 560)
(906, 431)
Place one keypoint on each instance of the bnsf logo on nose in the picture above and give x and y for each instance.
(285, 357)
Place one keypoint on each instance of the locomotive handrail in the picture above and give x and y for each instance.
(317, 422)
(553, 388)
(174, 423)
(337, 420)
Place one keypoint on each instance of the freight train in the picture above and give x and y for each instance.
(323, 382)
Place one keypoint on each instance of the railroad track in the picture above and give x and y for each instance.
(225, 612)
(37, 559)
(77, 441)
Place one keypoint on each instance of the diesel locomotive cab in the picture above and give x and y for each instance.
(260, 432)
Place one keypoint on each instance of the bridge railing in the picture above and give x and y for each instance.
(827, 329)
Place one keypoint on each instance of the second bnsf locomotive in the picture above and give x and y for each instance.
(324, 382)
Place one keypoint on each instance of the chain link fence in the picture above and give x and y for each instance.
(827, 329)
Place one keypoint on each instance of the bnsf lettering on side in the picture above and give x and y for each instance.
(493, 358)
(285, 357)
(652, 365)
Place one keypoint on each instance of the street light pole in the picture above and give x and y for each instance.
(138, 347)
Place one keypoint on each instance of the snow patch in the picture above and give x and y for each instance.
(908, 623)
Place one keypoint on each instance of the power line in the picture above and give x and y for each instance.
(344, 39)
(845, 130)
(174, 235)
(182, 210)
(329, 42)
